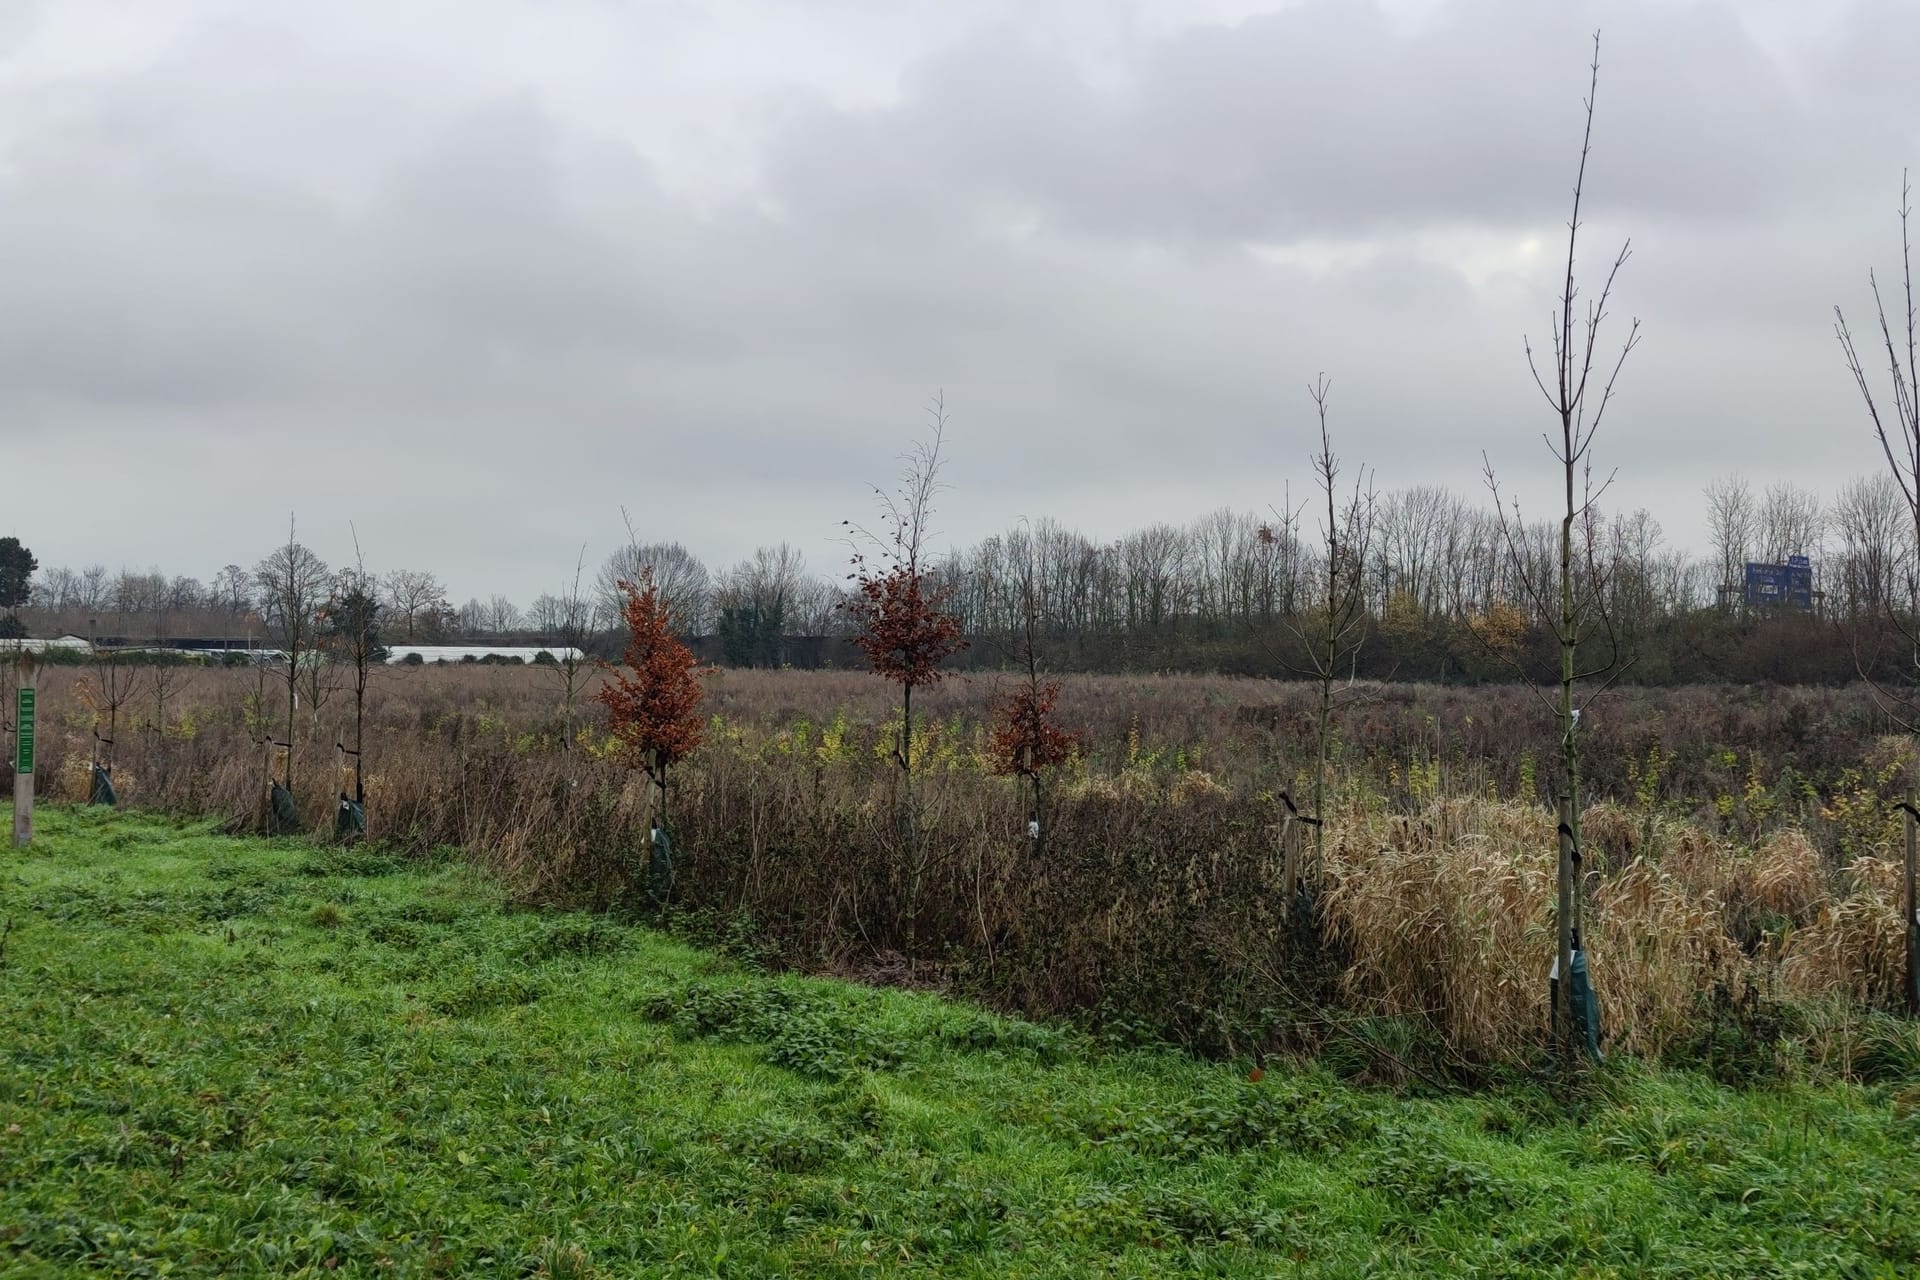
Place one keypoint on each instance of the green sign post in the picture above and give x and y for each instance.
(23, 733)
(23, 769)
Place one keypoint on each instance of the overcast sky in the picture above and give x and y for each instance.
(472, 274)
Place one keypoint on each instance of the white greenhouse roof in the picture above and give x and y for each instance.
(461, 652)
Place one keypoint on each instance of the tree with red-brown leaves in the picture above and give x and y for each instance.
(906, 633)
(1027, 737)
(653, 700)
(901, 619)
(1028, 741)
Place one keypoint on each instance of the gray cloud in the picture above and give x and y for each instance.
(268, 255)
(1326, 118)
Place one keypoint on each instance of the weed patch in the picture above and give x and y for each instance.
(802, 1033)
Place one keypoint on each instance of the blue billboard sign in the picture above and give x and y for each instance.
(1781, 586)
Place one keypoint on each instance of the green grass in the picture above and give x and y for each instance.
(233, 1057)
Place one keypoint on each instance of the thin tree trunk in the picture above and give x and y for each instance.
(1567, 897)
(1566, 1036)
(1290, 863)
(1039, 820)
(908, 828)
(293, 676)
(1912, 920)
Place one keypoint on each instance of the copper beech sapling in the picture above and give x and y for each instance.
(653, 698)
(1027, 741)
(902, 621)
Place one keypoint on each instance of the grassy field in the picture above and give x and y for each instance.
(1744, 840)
(230, 1057)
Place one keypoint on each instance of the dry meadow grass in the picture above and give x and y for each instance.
(1738, 841)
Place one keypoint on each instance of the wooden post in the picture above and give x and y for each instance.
(266, 784)
(23, 735)
(1912, 920)
(1566, 1038)
(1289, 867)
(22, 809)
(653, 794)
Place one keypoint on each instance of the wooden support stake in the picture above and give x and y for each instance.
(1565, 1036)
(22, 810)
(1289, 865)
(1912, 918)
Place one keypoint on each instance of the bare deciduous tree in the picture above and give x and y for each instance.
(292, 582)
(111, 685)
(163, 677)
(1329, 637)
(413, 596)
(1734, 525)
(1028, 740)
(232, 590)
(1876, 568)
(755, 604)
(94, 587)
(1792, 521)
(904, 626)
(679, 576)
(501, 615)
(351, 619)
(1900, 442)
(1572, 598)
(571, 626)
(1897, 428)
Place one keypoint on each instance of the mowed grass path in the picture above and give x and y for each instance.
(231, 1057)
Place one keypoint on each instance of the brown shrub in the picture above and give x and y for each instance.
(1854, 948)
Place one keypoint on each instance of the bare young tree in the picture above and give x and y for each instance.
(1027, 740)
(291, 583)
(571, 626)
(1899, 436)
(321, 675)
(905, 628)
(350, 622)
(1329, 637)
(111, 685)
(163, 675)
(1897, 427)
(1572, 598)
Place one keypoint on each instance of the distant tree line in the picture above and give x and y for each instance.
(1442, 593)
